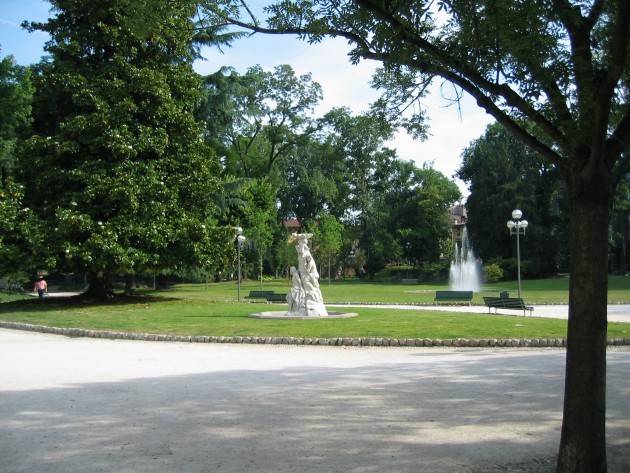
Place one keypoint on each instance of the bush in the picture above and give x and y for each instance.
(396, 272)
(493, 272)
(434, 272)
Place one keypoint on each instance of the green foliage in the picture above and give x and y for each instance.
(16, 93)
(493, 272)
(21, 232)
(327, 240)
(116, 170)
(503, 176)
(312, 181)
(327, 235)
(434, 271)
(256, 119)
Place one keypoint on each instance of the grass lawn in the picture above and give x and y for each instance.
(11, 296)
(535, 291)
(194, 316)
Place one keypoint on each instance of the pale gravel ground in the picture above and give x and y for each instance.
(616, 312)
(90, 405)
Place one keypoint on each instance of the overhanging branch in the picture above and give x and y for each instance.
(482, 100)
(462, 68)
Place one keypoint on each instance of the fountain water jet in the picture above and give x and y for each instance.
(465, 274)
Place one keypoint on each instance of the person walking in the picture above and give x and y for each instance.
(41, 287)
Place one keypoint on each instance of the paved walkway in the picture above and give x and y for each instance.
(616, 313)
(88, 405)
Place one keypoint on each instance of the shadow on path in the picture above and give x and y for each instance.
(432, 416)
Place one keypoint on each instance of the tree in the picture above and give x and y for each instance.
(560, 64)
(359, 140)
(256, 118)
(16, 92)
(503, 175)
(312, 181)
(416, 201)
(328, 238)
(116, 170)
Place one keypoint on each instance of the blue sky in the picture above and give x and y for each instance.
(343, 84)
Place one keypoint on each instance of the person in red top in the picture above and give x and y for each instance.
(41, 287)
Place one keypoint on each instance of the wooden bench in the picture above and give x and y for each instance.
(453, 296)
(511, 303)
(276, 297)
(259, 294)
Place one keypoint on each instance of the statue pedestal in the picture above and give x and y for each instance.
(312, 309)
(316, 309)
(287, 316)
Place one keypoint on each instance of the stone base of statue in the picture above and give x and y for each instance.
(308, 309)
(281, 314)
(316, 309)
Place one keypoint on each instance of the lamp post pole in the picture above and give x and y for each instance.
(516, 227)
(240, 239)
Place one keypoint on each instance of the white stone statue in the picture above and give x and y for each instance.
(295, 297)
(305, 297)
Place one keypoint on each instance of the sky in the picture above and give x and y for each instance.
(344, 85)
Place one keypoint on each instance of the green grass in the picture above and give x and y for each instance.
(197, 309)
(12, 296)
(201, 317)
(535, 291)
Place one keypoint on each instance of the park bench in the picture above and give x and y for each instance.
(453, 296)
(512, 303)
(276, 297)
(259, 294)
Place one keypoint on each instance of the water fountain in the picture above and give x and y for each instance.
(465, 274)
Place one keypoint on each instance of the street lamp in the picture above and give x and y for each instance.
(517, 227)
(240, 239)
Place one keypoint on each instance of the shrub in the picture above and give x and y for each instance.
(433, 272)
(493, 272)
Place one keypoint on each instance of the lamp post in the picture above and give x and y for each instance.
(517, 227)
(240, 239)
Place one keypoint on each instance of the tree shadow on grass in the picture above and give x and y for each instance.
(436, 416)
(60, 303)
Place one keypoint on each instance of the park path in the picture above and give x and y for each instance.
(616, 312)
(91, 405)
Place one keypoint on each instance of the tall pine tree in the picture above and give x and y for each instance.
(116, 169)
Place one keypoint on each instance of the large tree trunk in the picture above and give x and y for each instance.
(100, 286)
(583, 442)
(130, 284)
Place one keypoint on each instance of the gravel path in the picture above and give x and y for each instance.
(89, 405)
(616, 312)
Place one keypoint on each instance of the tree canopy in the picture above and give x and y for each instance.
(116, 169)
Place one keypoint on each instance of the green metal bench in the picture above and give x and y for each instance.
(259, 294)
(276, 297)
(453, 296)
(511, 303)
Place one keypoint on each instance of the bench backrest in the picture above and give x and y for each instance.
(261, 294)
(454, 295)
(508, 302)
